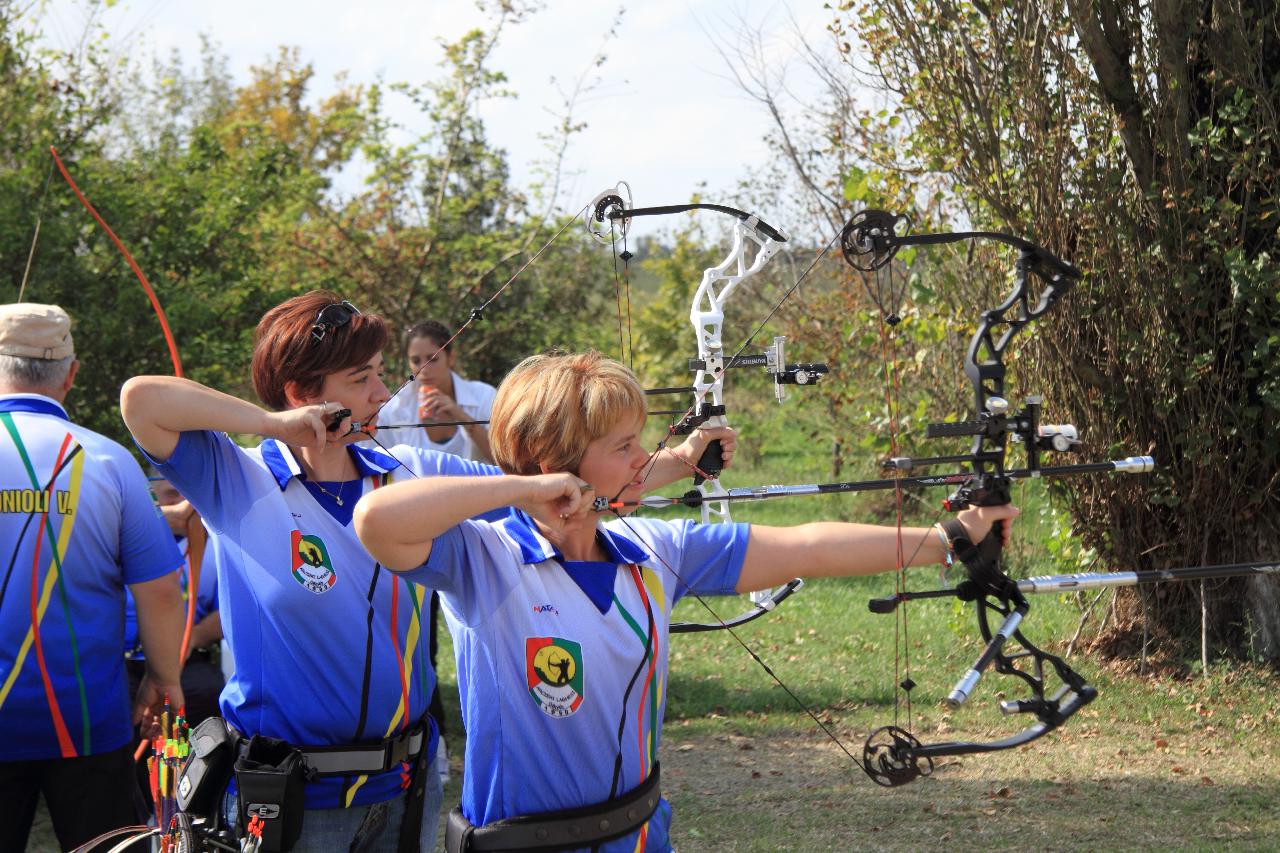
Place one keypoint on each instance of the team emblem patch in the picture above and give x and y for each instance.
(311, 565)
(554, 670)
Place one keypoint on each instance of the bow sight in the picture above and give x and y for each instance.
(774, 361)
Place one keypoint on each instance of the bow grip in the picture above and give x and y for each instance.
(982, 560)
(990, 547)
(709, 463)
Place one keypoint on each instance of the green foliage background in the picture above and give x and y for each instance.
(1141, 146)
(225, 196)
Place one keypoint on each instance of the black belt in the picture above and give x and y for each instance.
(580, 827)
(360, 759)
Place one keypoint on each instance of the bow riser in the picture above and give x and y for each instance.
(984, 360)
(707, 317)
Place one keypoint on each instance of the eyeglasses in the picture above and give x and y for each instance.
(333, 316)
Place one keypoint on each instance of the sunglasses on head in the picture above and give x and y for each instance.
(333, 316)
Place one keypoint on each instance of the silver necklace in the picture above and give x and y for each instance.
(336, 498)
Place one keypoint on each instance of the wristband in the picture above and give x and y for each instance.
(949, 554)
(961, 545)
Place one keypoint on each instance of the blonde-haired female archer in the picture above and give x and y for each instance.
(560, 619)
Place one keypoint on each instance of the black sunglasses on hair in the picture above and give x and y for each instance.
(333, 316)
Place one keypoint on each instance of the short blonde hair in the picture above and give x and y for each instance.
(551, 406)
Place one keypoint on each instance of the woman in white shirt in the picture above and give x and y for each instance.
(438, 393)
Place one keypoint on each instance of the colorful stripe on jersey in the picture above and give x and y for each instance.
(53, 577)
(648, 696)
(648, 579)
(404, 666)
(76, 460)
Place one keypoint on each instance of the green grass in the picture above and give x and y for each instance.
(1154, 762)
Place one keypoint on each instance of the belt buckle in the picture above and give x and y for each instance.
(397, 751)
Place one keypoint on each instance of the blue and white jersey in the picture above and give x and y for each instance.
(556, 679)
(206, 601)
(78, 525)
(329, 646)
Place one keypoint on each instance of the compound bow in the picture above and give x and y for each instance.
(892, 755)
(608, 218)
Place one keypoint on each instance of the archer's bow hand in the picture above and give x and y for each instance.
(979, 520)
(680, 463)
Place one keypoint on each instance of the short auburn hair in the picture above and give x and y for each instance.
(284, 351)
(551, 406)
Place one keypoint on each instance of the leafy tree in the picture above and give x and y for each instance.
(1139, 140)
(226, 197)
(438, 228)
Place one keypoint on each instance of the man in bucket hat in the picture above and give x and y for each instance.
(77, 521)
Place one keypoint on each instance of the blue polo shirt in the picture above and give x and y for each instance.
(78, 526)
(555, 680)
(329, 646)
(206, 602)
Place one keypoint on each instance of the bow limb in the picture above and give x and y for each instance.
(195, 551)
(133, 265)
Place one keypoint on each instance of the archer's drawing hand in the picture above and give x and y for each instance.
(308, 426)
(557, 500)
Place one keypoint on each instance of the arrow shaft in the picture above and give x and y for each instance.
(761, 493)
